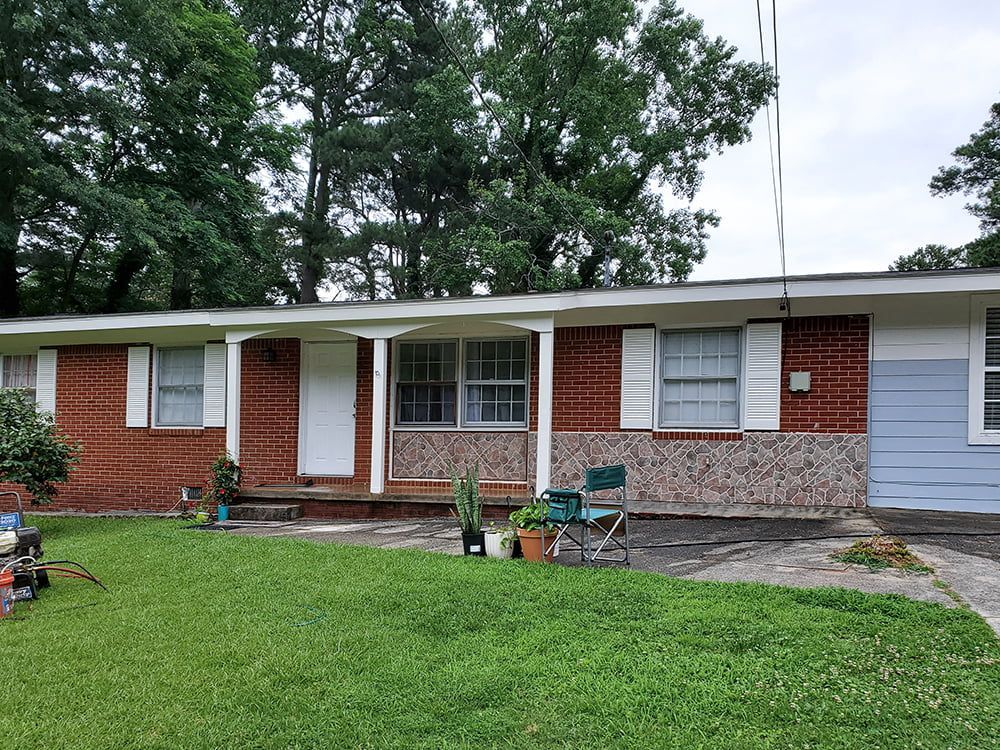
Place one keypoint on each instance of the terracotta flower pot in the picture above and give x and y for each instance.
(531, 544)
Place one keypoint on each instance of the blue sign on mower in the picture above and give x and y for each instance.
(10, 520)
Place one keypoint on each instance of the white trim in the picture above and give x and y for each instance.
(213, 385)
(543, 455)
(137, 386)
(45, 379)
(977, 369)
(380, 362)
(300, 457)
(637, 388)
(234, 364)
(761, 373)
(304, 406)
(517, 307)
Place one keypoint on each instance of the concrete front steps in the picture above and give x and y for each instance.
(258, 511)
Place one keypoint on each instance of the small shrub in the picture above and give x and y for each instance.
(224, 486)
(32, 450)
(879, 552)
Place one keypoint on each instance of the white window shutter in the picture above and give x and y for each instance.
(638, 347)
(214, 413)
(137, 388)
(45, 380)
(763, 376)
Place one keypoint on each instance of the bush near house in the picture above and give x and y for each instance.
(33, 452)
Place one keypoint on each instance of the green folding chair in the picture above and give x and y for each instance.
(567, 508)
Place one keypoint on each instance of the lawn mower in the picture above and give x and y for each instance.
(21, 573)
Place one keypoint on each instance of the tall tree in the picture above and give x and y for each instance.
(129, 146)
(412, 190)
(613, 108)
(47, 58)
(326, 62)
(975, 174)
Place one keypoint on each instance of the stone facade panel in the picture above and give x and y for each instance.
(502, 456)
(764, 468)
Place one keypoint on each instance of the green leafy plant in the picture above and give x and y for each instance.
(530, 517)
(224, 486)
(468, 504)
(32, 450)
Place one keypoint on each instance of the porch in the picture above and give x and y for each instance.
(314, 412)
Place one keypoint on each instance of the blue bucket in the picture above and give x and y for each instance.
(222, 513)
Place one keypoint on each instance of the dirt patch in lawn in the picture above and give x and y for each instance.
(879, 552)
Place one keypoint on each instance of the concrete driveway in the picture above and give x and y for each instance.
(792, 550)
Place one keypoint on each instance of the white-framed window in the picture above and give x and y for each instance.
(700, 378)
(496, 382)
(470, 382)
(180, 387)
(19, 371)
(984, 371)
(426, 382)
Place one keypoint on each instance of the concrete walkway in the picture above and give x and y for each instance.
(790, 551)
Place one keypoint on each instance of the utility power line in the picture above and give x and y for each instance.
(777, 181)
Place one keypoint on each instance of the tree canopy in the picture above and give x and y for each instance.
(976, 175)
(193, 153)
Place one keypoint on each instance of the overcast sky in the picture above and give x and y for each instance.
(874, 97)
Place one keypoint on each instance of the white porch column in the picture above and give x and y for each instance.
(380, 379)
(543, 459)
(233, 359)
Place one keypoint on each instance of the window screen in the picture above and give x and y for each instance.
(180, 387)
(426, 382)
(496, 376)
(700, 372)
(991, 377)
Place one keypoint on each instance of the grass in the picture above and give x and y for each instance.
(215, 641)
(880, 552)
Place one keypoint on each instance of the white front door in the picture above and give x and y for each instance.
(327, 404)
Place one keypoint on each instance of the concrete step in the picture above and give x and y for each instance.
(265, 512)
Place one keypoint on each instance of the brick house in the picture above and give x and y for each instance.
(880, 389)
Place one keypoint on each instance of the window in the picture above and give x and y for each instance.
(486, 386)
(20, 371)
(427, 382)
(180, 387)
(496, 375)
(700, 378)
(991, 370)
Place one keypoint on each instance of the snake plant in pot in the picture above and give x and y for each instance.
(469, 507)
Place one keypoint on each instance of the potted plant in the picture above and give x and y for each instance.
(224, 486)
(469, 507)
(500, 540)
(528, 522)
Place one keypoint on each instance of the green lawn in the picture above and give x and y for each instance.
(201, 643)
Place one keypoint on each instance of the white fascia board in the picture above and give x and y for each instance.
(494, 309)
(109, 322)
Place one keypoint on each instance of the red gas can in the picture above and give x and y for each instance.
(6, 593)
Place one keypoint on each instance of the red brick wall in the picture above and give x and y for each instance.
(269, 406)
(586, 383)
(122, 468)
(835, 350)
